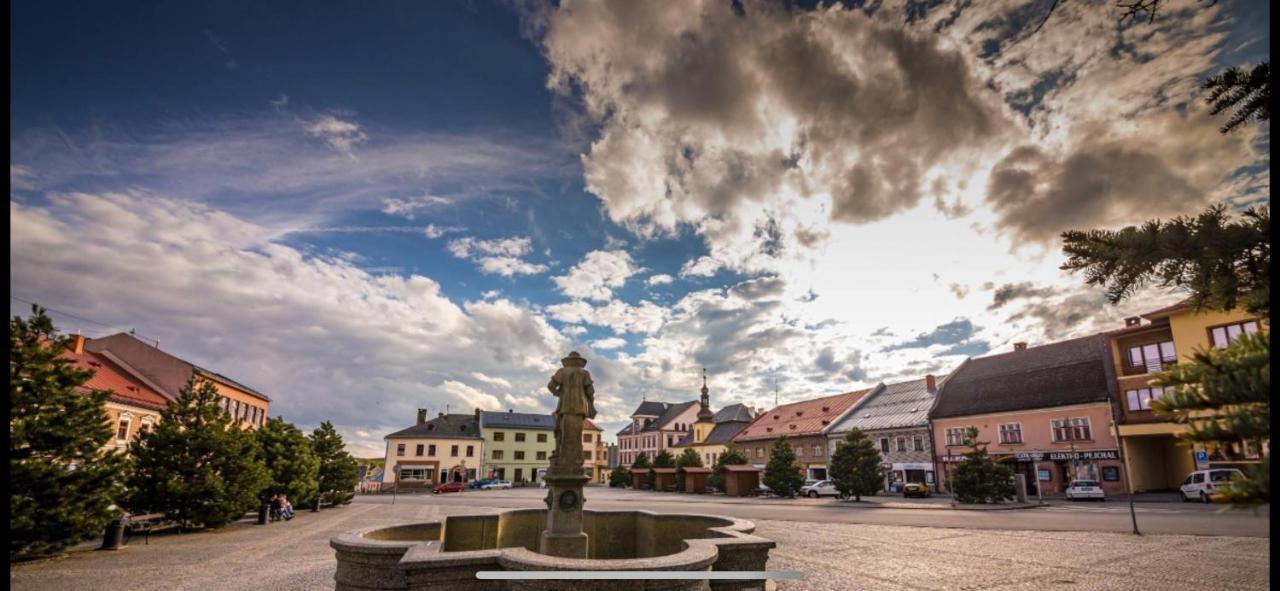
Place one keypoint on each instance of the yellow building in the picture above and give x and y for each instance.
(713, 433)
(1156, 457)
(595, 454)
(447, 448)
(518, 445)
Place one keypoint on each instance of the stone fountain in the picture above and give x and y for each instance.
(563, 537)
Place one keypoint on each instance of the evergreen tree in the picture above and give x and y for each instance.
(978, 479)
(196, 465)
(664, 459)
(1224, 396)
(1248, 95)
(62, 484)
(688, 459)
(642, 461)
(782, 473)
(855, 466)
(292, 466)
(337, 479)
(731, 457)
(618, 477)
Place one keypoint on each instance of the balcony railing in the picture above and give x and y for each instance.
(1153, 367)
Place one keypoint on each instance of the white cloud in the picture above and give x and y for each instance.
(645, 317)
(704, 266)
(500, 256)
(574, 329)
(609, 343)
(409, 207)
(342, 135)
(491, 380)
(659, 279)
(597, 275)
(470, 396)
(433, 231)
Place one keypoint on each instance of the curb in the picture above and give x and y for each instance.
(999, 507)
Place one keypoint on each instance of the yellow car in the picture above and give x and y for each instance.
(915, 489)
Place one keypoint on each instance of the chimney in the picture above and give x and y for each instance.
(441, 415)
(477, 414)
(77, 345)
(1133, 321)
(931, 384)
(422, 415)
(1020, 346)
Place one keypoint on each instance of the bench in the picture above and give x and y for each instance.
(145, 524)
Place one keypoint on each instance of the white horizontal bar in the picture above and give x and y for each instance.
(632, 575)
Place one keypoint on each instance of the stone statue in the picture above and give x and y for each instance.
(572, 385)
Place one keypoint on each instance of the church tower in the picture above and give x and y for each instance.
(706, 418)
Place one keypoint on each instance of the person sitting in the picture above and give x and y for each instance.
(286, 509)
(277, 506)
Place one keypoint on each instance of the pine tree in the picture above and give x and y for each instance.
(688, 459)
(782, 473)
(664, 459)
(978, 479)
(292, 466)
(337, 481)
(642, 461)
(618, 477)
(731, 457)
(62, 484)
(1249, 95)
(855, 466)
(196, 466)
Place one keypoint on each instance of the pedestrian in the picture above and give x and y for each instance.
(286, 508)
(277, 506)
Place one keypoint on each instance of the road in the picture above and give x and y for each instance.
(1110, 516)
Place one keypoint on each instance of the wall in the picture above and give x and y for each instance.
(806, 460)
(244, 398)
(137, 417)
(443, 457)
(509, 446)
(1190, 330)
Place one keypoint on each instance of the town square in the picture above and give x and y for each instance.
(742, 295)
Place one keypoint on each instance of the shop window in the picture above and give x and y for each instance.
(1076, 429)
(1011, 433)
(400, 449)
(956, 435)
(413, 474)
(1224, 335)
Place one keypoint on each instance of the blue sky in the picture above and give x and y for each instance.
(364, 209)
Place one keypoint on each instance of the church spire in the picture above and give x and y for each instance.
(704, 413)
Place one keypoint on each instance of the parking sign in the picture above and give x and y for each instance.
(1202, 459)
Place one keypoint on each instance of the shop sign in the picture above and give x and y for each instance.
(1044, 475)
(912, 466)
(1097, 454)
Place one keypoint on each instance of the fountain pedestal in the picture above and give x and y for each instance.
(563, 536)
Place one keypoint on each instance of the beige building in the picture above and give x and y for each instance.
(595, 454)
(135, 403)
(518, 445)
(447, 448)
(712, 433)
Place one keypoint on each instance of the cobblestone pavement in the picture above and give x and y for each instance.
(296, 555)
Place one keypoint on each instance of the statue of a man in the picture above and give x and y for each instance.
(572, 384)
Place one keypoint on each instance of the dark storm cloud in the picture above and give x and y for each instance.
(1012, 291)
(952, 334)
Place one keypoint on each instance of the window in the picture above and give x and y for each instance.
(956, 435)
(519, 455)
(542, 438)
(431, 449)
(235, 408)
(1224, 335)
(499, 436)
(542, 455)
(418, 474)
(799, 451)
(1140, 399)
(519, 437)
(759, 452)
(1152, 357)
(497, 454)
(147, 425)
(587, 454)
(817, 451)
(586, 438)
(400, 449)
(453, 450)
(122, 430)
(918, 443)
(1011, 433)
(884, 445)
(1071, 430)
(902, 444)
(421, 447)
(471, 451)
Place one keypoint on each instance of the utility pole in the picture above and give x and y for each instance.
(1124, 464)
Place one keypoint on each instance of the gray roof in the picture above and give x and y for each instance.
(734, 412)
(673, 411)
(725, 431)
(1070, 372)
(170, 373)
(517, 420)
(452, 426)
(892, 406)
(651, 408)
(625, 430)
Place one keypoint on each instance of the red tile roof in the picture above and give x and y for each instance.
(110, 375)
(587, 425)
(808, 417)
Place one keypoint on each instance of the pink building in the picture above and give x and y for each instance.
(655, 426)
(1045, 411)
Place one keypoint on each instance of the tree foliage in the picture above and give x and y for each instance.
(196, 466)
(338, 469)
(687, 459)
(293, 467)
(782, 473)
(642, 461)
(978, 479)
(855, 466)
(618, 477)
(62, 484)
(1224, 262)
(1246, 94)
(664, 459)
(731, 457)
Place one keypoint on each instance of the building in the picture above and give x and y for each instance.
(896, 418)
(595, 454)
(518, 445)
(613, 455)
(447, 448)
(247, 406)
(1045, 411)
(135, 403)
(712, 433)
(1156, 456)
(804, 424)
(655, 426)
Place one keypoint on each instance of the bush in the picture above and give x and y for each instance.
(619, 478)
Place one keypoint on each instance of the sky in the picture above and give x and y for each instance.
(363, 209)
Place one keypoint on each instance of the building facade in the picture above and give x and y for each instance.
(805, 425)
(1157, 458)
(896, 418)
(518, 445)
(447, 448)
(134, 405)
(655, 426)
(713, 433)
(1044, 411)
(595, 454)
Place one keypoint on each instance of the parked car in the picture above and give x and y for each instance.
(1085, 489)
(1208, 485)
(448, 487)
(915, 489)
(496, 484)
(819, 488)
(479, 483)
(761, 489)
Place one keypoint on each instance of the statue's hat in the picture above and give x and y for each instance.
(574, 360)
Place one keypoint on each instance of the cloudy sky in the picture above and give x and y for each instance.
(363, 209)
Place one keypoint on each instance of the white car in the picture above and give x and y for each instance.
(496, 484)
(1204, 485)
(1085, 489)
(819, 488)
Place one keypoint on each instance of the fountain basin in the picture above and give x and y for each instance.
(446, 555)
